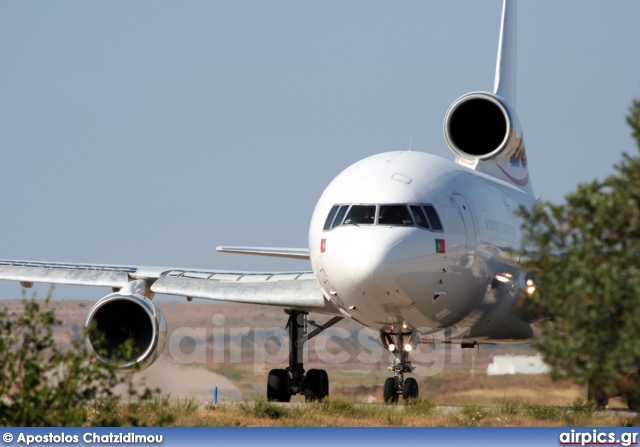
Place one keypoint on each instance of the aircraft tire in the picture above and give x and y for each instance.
(278, 386)
(314, 385)
(410, 389)
(390, 395)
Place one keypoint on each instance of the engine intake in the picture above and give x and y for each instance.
(123, 316)
(481, 126)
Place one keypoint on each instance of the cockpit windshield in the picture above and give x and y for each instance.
(423, 216)
(394, 215)
(341, 212)
(361, 215)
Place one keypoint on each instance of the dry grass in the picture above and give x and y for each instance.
(477, 399)
(344, 413)
(454, 386)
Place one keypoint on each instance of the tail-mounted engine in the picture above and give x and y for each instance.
(122, 317)
(482, 126)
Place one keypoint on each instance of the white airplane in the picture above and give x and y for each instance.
(406, 243)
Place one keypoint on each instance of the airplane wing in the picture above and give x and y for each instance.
(298, 290)
(293, 290)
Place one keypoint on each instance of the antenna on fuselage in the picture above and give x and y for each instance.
(410, 143)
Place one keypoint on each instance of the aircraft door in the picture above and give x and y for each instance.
(467, 217)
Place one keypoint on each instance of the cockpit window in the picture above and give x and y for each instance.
(436, 225)
(423, 216)
(341, 212)
(419, 217)
(361, 214)
(394, 215)
(332, 214)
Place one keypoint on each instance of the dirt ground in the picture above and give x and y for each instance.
(225, 336)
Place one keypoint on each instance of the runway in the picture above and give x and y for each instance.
(185, 381)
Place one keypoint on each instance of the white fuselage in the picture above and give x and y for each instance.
(400, 278)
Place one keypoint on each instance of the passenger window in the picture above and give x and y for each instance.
(332, 214)
(361, 214)
(341, 212)
(394, 215)
(419, 217)
(436, 225)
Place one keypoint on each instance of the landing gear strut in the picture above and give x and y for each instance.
(397, 385)
(283, 383)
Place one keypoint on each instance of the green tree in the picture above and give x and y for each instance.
(585, 258)
(44, 385)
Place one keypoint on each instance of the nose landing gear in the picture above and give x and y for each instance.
(398, 385)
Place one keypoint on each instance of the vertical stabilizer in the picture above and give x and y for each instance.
(482, 129)
(505, 81)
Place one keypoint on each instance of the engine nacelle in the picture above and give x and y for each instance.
(482, 126)
(122, 316)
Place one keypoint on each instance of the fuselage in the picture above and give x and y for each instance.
(405, 241)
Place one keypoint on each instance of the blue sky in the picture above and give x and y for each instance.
(149, 132)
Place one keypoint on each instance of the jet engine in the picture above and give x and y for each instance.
(482, 126)
(126, 317)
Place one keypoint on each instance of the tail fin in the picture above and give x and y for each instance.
(482, 129)
(505, 80)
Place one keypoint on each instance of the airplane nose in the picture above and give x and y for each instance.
(377, 262)
(348, 259)
(389, 277)
(393, 253)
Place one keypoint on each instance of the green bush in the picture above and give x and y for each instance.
(583, 255)
(43, 385)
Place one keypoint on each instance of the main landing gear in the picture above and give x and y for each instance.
(398, 385)
(283, 383)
